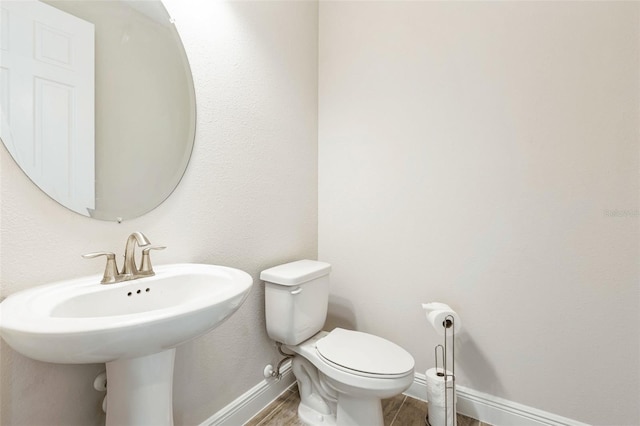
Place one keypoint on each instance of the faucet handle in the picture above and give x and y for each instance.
(146, 268)
(111, 269)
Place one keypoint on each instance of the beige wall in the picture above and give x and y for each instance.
(248, 200)
(485, 154)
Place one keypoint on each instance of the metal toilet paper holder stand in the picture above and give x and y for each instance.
(449, 378)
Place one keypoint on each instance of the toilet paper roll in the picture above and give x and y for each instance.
(441, 411)
(437, 314)
(436, 387)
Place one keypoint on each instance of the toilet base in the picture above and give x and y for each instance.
(351, 412)
(354, 411)
(311, 417)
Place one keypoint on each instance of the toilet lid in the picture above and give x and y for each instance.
(364, 352)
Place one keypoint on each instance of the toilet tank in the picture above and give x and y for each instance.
(296, 298)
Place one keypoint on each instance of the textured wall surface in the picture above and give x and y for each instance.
(477, 153)
(485, 154)
(248, 200)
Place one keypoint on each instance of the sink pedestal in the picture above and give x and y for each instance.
(139, 390)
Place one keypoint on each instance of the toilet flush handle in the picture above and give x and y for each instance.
(296, 291)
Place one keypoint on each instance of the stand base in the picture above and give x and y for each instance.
(140, 390)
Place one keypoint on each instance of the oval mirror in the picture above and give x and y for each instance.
(98, 105)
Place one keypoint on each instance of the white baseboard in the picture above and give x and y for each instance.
(478, 405)
(247, 405)
(492, 409)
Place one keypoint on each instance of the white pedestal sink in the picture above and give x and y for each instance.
(133, 327)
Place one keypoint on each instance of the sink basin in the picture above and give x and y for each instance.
(81, 321)
(133, 327)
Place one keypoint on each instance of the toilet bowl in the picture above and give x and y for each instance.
(342, 375)
(356, 370)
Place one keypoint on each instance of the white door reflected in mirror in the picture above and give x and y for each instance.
(47, 100)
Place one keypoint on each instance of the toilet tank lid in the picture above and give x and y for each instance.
(295, 273)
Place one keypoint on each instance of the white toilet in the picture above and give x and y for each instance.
(342, 375)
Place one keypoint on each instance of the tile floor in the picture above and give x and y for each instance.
(399, 411)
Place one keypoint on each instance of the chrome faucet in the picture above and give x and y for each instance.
(130, 269)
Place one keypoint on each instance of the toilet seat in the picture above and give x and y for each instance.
(364, 354)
